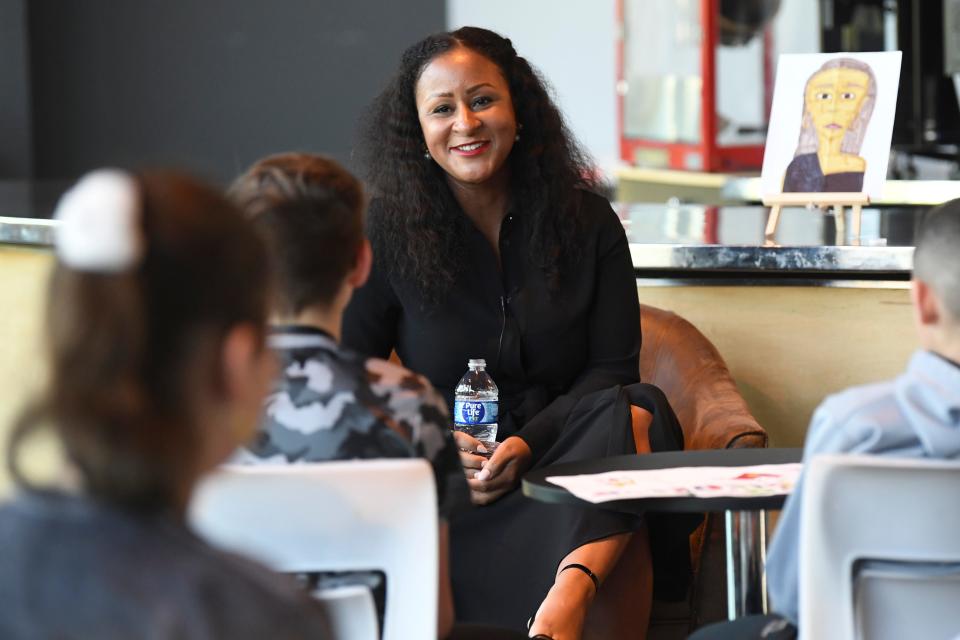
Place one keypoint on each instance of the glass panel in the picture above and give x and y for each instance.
(661, 67)
(741, 112)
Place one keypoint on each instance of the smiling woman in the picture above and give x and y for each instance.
(422, 223)
(490, 241)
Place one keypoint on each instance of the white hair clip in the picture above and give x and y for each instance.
(99, 223)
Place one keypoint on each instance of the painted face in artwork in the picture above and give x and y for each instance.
(834, 98)
(466, 114)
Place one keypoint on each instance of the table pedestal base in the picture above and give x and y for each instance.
(746, 534)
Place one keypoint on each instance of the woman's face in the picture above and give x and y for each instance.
(834, 98)
(466, 115)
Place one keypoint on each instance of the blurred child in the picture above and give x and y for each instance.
(155, 331)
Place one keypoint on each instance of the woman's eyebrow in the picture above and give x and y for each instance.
(449, 94)
(477, 87)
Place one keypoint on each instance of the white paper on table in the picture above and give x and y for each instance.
(678, 482)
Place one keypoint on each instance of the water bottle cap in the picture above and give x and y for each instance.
(477, 363)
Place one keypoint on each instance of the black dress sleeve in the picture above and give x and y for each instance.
(613, 335)
(370, 320)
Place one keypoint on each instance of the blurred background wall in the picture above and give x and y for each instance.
(208, 86)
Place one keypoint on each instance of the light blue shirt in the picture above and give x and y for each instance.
(915, 415)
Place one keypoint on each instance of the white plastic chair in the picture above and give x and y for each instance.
(880, 548)
(335, 516)
(351, 612)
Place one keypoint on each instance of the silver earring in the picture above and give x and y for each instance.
(516, 138)
(426, 155)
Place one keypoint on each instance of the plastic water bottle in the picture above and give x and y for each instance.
(476, 404)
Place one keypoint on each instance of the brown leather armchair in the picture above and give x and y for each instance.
(680, 360)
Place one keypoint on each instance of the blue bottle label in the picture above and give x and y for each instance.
(468, 412)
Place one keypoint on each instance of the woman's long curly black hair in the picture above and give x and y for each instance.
(417, 227)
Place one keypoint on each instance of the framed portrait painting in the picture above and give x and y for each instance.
(831, 123)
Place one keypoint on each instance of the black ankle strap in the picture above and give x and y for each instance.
(586, 570)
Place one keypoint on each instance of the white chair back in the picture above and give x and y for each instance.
(335, 516)
(880, 548)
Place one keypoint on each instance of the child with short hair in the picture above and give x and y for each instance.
(915, 415)
(330, 403)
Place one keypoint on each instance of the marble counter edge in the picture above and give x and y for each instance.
(40, 232)
(810, 259)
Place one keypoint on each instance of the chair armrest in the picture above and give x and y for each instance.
(691, 372)
(749, 440)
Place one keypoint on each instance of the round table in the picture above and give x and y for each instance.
(745, 517)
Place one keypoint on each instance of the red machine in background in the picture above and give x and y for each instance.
(695, 82)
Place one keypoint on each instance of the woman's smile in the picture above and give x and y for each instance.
(471, 148)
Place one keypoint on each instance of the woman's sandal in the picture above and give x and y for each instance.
(539, 636)
(572, 565)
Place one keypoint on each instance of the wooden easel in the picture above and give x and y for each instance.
(820, 200)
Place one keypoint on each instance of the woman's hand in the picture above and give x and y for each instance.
(501, 473)
(471, 453)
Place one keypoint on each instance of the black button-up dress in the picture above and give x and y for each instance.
(545, 350)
